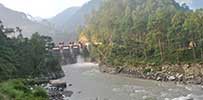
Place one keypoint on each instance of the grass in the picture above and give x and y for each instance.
(18, 90)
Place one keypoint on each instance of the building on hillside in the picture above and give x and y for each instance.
(11, 32)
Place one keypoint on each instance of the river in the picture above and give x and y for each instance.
(88, 83)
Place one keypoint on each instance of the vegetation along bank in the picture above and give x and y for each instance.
(148, 36)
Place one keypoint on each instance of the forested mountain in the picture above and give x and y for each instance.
(62, 27)
(14, 19)
(73, 18)
(145, 31)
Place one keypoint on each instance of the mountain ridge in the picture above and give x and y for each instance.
(12, 19)
(63, 16)
(69, 26)
(63, 26)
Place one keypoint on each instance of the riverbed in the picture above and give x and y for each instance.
(88, 83)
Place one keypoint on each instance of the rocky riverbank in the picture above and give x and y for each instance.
(55, 88)
(53, 85)
(182, 73)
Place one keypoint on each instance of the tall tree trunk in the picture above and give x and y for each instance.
(145, 47)
(202, 53)
(193, 49)
(201, 47)
(178, 52)
(145, 54)
(160, 48)
(194, 53)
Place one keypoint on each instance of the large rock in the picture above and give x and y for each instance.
(171, 78)
(193, 71)
(58, 83)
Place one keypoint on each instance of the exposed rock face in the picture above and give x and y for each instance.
(185, 73)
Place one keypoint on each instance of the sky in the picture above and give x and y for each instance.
(185, 1)
(41, 8)
(194, 4)
(197, 4)
(49, 8)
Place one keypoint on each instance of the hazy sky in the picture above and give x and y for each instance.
(49, 8)
(194, 4)
(184, 1)
(41, 8)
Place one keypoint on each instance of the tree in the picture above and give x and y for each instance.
(149, 31)
(191, 27)
(22, 57)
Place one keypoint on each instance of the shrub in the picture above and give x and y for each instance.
(18, 90)
(39, 92)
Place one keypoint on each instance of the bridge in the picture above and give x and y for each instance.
(69, 53)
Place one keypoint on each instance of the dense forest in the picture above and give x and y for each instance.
(26, 58)
(145, 31)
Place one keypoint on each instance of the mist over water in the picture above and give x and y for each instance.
(80, 59)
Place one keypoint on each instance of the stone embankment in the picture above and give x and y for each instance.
(182, 73)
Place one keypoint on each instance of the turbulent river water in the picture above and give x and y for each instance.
(88, 83)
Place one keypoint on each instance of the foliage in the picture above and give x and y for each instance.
(18, 90)
(26, 58)
(39, 92)
(145, 31)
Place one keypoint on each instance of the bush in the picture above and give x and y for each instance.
(18, 90)
(147, 70)
(39, 92)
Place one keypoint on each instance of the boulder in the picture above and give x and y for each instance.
(192, 71)
(58, 83)
(171, 78)
(179, 77)
(158, 78)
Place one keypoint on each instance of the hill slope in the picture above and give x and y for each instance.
(61, 18)
(70, 23)
(149, 31)
(13, 19)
